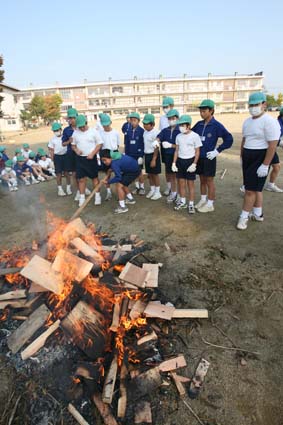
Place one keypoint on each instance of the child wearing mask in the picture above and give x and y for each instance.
(134, 147)
(167, 104)
(9, 177)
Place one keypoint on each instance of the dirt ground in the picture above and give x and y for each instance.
(236, 275)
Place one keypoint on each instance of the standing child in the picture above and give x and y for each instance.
(185, 161)
(70, 160)
(167, 104)
(126, 127)
(167, 137)
(152, 157)
(26, 150)
(134, 147)
(58, 154)
(86, 143)
(9, 177)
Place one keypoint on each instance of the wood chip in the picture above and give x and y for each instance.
(150, 337)
(198, 378)
(39, 342)
(71, 266)
(134, 275)
(110, 381)
(190, 313)
(143, 413)
(179, 385)
(137, 309)
(79, 418)
(104, 410)
(172, 364)
(13, 295)
(161, 311)
(152, 279)
(86, 250)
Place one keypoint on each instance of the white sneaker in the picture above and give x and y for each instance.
(166, 192)
(156, 196)
(130, 201)
(81, 200)
(150, 194)
(177, 200)
(34, 181)
(242, 223)
(271, 187)
(108, 196)
(141, 191)
(15, 188)
(171, 198)
(61, 192)
(180, 206)
(41, 179)
(77, 197)
(121, 210)
(243, 189)
(200, 204)
(87, 191)
(69, 190)
(205, 208)
(97, 200)
(191, 209)
(136, 191)
(255, 217)
(27, 183)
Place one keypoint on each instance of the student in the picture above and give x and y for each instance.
(167, 104)
(261, 133)
(111, 140)
(134, 147)
(46, 164)
(167, 137)
(185, 160)
(152, 157)
(126, 127)
(24, 172)
(39, 153)
(86, 143)
(209, 131)
(26, 150)
(58, 154)
(275, 163)
(126, 170)
(36, 168)
(18, 152)
(98, 124)
(3, 153)
(2, 162)
(9, 176)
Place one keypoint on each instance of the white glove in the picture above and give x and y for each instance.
(166, 145)
(140, 160)
(281, 142)
(155, 144)
(262, 171)
(192, 168)
(212, 154)
(174, 167)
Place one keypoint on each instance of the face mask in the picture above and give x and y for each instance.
(255, 110)
(166, 110)
(8, 169)
(172, 123)
(57, 133)
(183, 129)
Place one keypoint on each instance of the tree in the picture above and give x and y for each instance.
(280, 99)
(52, 107)
(25, 117)
(270, 100)
(1, 79)
(37, 107)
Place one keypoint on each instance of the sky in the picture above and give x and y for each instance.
(69, 41)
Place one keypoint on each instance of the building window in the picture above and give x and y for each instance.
(64, 108)
(26, 96)
(49, 92)
(65, 93)
(117, 89)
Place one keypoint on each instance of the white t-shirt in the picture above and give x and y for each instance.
(163, 123)
(31, 163)
(47, 163)
(187, 144)
(259, 131)
(15, 159)
(11, 174)
(86, 141)
(111, 139)
(56, 144)
(26, 153)
(148, 138)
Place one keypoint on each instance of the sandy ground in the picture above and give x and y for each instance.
(236, 275)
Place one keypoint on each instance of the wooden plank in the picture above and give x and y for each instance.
(180, 387)
(86, 250)
(152, 279)
(79, 418)
(190, 313)
(13, 295)
(71, 266)
(150, 337)
(104, 410)
(198, 378)
(137, 309)
(127, 247)
(39, 342)
(110, 380)
(143, 413)
(16, 304)
(159, 310)
(28, 328)
(122, 402)
(40, 271)
(34, 287)
(134, 275)
(172, 364)
(73, 229)
(116, 314)
(10, 270)
(144, 383)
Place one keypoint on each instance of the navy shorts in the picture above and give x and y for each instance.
(70, 161)
(275, 159)
(162, 153)
(168, 161)
(206, 167)
(251, 160)
(147, 159)
(60, 163)
(128, 178)
(86, 167)
(182, 165)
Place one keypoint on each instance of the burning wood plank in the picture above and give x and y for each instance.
(122, 402)
(40, 271)
(87, 250)
(172, 364)
(110, 380)
(28, 328)
(189, 313)
(144, 383)
(152, 279)
(104, 410)
(13, 295)
(11, 270)
(34, 287)
(137, 309)
(150, 337)
(77, 415)
(161, 311)
(73, 229)
(116, 314)
(134, 275)
(198, 378)
(74, 267)
(16, 304)
(39, 342)
(143, 413)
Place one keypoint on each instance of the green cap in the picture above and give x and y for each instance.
(135, 115)
(18, 150)
(256, 98)
(167, 101)
(172, 113)
(42, 153)
(148, 118)
(207, 103)
(2, 148)
(115, 155)
(72, 113)
(80, 121)
(21, 158)
(31, 154)
(128, 116)
(40, 150)
(9, 163)
(185, 119)
(25, 145)
(105, 120)
(56, 126)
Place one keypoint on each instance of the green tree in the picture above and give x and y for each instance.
(25, 117)
(270, 100)
(1, 79)
(280, 99)
(52, 105)
(37, 107)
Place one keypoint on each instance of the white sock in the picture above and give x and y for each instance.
(152, 188)
(183, 200)
(169, 185)
(173, 194)
(137, 185)
(82, 196)
(157, 189)
(191, 203)
(258, 210)
(97, 195)
(271, 184)
(68, 186)
(108, 190)
(141, 185)
(203, 198)
(122, 203)
(130, 196)
(60, 187)
(210, 203)
(244, 214)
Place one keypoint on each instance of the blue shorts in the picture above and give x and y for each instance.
(128, 178)
(70, 161)
(206, 167)
(275, 159)
(251, 161)
(60, 163)
(147, 159)
(168, 161)
(182, 165)
(86, 167)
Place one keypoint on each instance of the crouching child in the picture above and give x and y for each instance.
(24, 172)
(9, 177)
(126, 170)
